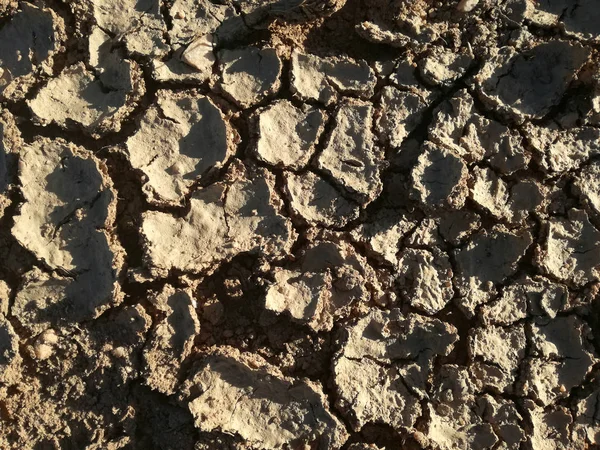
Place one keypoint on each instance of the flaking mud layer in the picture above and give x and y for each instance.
(299, 224)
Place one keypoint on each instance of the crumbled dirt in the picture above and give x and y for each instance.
(300, 224)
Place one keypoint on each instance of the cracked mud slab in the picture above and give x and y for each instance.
(299, 224)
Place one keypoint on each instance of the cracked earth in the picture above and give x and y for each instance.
(300, 224)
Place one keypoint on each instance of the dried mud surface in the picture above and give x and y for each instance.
(300, 224)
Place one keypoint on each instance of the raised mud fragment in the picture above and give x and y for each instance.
(571, 249)
(66, 222)
(443, 67)
(287, 135)
(28, 42)
(325, 79)
(580, 20)
(439, 178)
(403, 24)
(316, 201)
(303, 296)
(458, 126)
(510, 81)
(250, 75)
(350, 155)
(393, 354)
(537, 297)
(138, 23)
(172, 338)
(5, 295)
(463, 417)
(497, 353)
(192, 19)
(324, 286)
(242, 395)
(401, 113)
(485, 261)
(425, 279)
(552, 428)
(511, 203)
(587, 418)
(563, 150)
(457, 226)
(561, 356)
(193, 65)
(225, 219)
(96, 104)
(182, 139)
(383, 233)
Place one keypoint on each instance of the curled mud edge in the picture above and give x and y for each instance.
(299, 224)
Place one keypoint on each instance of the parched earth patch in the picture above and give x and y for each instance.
(300, 224)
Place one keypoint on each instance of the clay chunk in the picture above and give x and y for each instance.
(27, 43)
(139, 23)
(328, 281)
(241, 395)
(324, 79)
(588, 415)
(65, 221)
(249, 75)
(510, 81)
(316, 201)
(181, 139)
(561, 357)
(486, 260)
(401, 113)
(463, 417)
(587, 186)
(172, 338)
(458, 126)
(510, 203)
(527, 297)
(78, 96)
(224, 219)
(381, 370)
(498, 353)
(287, 135)
(580, 20)
(571, 249)
(439, 178)
(350, 155)
(443, 66)
(425, 279)
(563, 150)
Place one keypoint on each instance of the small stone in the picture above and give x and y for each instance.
(42, 351)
